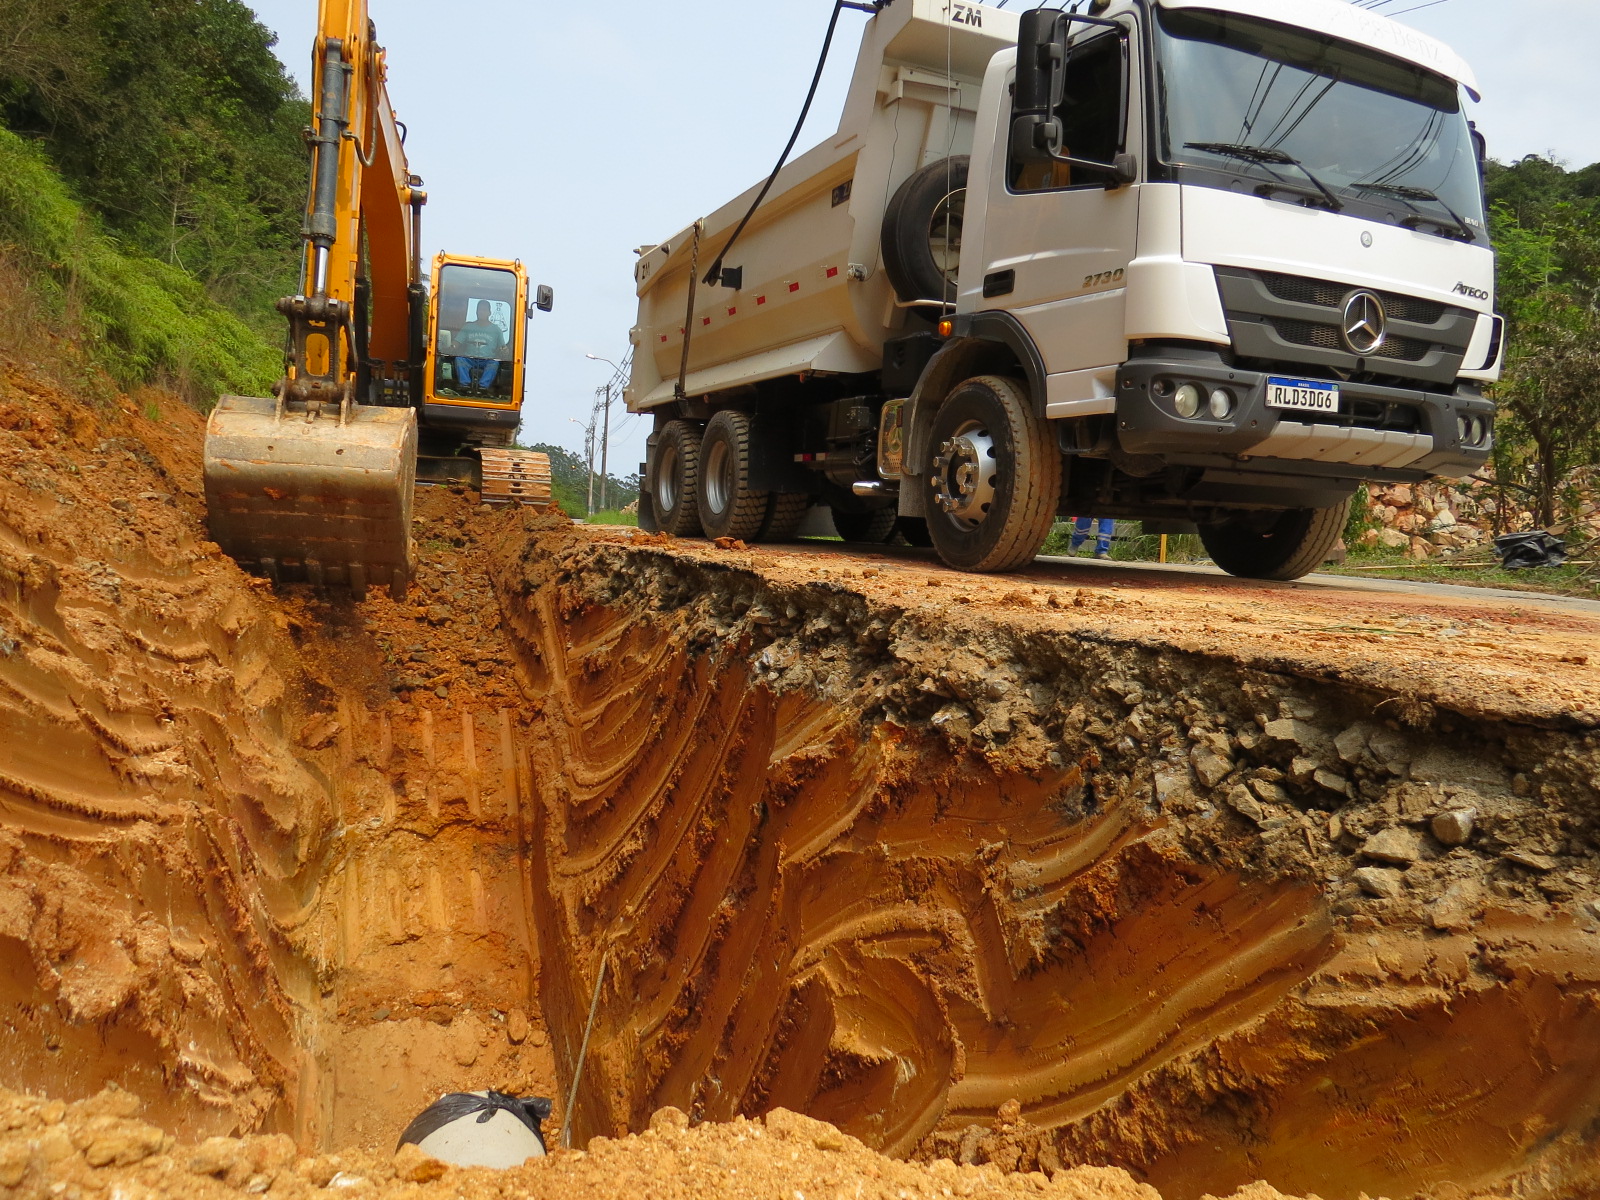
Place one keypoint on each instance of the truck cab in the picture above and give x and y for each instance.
(1198, 262)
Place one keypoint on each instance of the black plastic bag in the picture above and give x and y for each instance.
(1536, 549)
(448, 1109)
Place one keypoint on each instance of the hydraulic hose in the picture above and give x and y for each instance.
(714, 275)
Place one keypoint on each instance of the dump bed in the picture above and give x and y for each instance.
(814, 296)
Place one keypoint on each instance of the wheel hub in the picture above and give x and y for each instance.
(964, 475)
(667, 479)
(716, 478)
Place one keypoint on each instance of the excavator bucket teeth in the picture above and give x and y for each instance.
(515, 477)
(311, 499)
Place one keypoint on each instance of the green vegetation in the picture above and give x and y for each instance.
(175, 125)
(1470, 570)
(1128, 547)
(614, 517)
(569, 477)
(1546, 225)
(151, 182)
(141, 320)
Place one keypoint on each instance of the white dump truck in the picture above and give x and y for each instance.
(1204, 263)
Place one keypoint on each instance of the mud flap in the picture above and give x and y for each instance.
(301, 497)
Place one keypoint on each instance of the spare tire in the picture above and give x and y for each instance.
(922, 232)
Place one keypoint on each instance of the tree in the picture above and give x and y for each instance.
(1546, 224)
(174, 121)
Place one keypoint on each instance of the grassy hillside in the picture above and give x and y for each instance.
(141, 320)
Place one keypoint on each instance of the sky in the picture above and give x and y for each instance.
(568, 134)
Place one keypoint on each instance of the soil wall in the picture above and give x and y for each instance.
(841, 845)
(259, 857)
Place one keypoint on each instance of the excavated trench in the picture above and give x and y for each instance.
(994, 870)
(904, 865)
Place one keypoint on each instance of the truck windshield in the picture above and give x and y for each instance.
(1315, 121)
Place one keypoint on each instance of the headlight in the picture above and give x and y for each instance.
(1187, 400)
(1221, 404)
(1464, 430)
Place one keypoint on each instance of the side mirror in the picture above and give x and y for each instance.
(544, 298)
(1041, 55)
(1044, 50)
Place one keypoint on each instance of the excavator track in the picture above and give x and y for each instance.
(516, 477)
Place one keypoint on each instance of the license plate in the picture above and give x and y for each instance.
(1307, 395)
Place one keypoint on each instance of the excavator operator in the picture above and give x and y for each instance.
(478, 345)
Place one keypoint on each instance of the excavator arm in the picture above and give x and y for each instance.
(316, 482)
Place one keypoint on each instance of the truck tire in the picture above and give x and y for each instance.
(1275, 545)
(675, 479)
(922, 231)
(874, 526)
(785, 511)
(994, 479)
(729, 506)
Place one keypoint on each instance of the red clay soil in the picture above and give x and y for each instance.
(999, 875)
(259, 856)
(1168, 865)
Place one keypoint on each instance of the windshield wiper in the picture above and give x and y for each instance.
(1268, 156)
(1402, 192)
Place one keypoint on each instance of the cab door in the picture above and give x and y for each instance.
(477, 333)
(1058, 236)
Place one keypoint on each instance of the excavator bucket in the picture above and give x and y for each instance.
(296, 497)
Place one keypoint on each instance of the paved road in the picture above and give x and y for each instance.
(1334, 583)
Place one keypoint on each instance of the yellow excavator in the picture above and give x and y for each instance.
(389, 380)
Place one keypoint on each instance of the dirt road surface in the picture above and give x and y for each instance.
(1206, 880)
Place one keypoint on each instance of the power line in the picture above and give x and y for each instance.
(1417, 8)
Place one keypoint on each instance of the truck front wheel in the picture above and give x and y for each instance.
(675, 479)
(729, 506)
(994, 479)
(1275, 545)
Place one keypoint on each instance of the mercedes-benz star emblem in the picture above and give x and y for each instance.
(1366, 325)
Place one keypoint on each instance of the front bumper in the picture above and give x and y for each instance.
(1380, 433)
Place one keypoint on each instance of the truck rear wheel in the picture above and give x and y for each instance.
(729, 506)
(876, 525)
(785, 511)
(675, 479)
(994, 481)
(922, 231)
(1275, 545)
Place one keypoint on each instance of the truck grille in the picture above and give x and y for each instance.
(1331, 295)
(1282, 321)
(1326, 337)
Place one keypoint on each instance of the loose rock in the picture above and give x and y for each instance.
(1384, 882)
(1455, 827)
(1399, 846)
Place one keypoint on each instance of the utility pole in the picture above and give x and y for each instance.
(588, 446)
(605, 419)
(605, 445)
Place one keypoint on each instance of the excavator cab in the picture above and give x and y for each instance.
(477, 335)
(472, 380)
